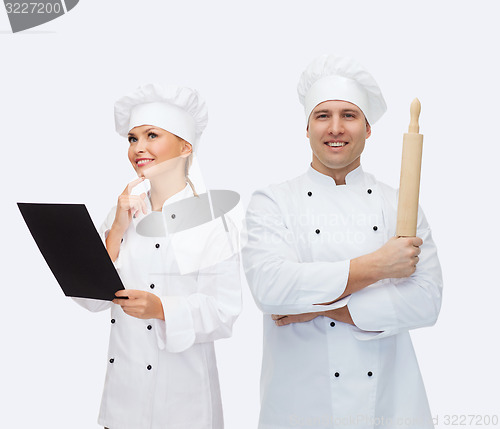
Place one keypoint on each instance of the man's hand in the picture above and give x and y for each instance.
(341, 314)
(282, 320)
(398, 257)
(140, 304)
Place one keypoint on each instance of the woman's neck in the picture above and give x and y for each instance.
(162, 188)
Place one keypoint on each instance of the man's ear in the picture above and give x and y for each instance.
(368, 130)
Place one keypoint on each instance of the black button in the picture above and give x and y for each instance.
(375, 227)
(173, 216)
(332, 324)
(370, 373)
(150, 327)
(121, 241)
(157, 245)
(113, 320)
(111, 360)
(152, 286)
(337, 374)
(309, 193)
(369, 191)
(317, 231)
(149, 367)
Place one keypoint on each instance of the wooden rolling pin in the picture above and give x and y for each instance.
(409, 184)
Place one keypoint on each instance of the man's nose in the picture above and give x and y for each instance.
(336, 126)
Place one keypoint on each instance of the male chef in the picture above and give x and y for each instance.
(338, 290)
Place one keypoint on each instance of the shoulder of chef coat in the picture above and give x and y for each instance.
(208, 243)
(281, 196)
(390, 197)
(395, 305)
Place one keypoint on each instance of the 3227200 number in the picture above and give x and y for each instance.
(470, 420)
(33, 8)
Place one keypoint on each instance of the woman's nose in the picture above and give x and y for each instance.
(140, 145)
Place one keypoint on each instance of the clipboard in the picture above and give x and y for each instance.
(73, 249)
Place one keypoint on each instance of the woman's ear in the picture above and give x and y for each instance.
(187, 149)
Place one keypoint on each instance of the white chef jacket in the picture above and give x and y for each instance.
(323, 373)
(163, 374)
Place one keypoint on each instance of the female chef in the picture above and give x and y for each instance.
(162, 370)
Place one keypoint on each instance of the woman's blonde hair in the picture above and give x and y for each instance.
(189, 161)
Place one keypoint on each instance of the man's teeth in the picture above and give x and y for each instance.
(143, 161)
(336, 144)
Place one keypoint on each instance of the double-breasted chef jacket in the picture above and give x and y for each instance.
(324, 373)
(163, 374)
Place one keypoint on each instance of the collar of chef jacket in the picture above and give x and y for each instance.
(354, 177)
(202, 230)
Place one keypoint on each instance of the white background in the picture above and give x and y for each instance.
(58, 85)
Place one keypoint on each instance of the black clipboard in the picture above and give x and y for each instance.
(72, 248)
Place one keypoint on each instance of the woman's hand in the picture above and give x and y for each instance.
(128, 205)
(140, 304)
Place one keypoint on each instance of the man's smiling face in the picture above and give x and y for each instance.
(337, 131)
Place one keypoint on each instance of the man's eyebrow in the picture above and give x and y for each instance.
(321, 111)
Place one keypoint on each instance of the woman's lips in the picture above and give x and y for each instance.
(142, 161)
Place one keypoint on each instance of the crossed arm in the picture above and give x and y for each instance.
(398, 258)
(385, 291)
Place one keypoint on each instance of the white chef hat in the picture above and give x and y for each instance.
(340, 78)
(178, 110)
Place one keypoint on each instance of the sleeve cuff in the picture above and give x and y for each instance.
(365, 303)
(176, 333)
(93, 305)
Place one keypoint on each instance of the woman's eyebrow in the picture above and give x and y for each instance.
(145, 131)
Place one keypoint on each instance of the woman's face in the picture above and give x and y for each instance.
(151, 146)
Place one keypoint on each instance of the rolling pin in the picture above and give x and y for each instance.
(409, 184)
